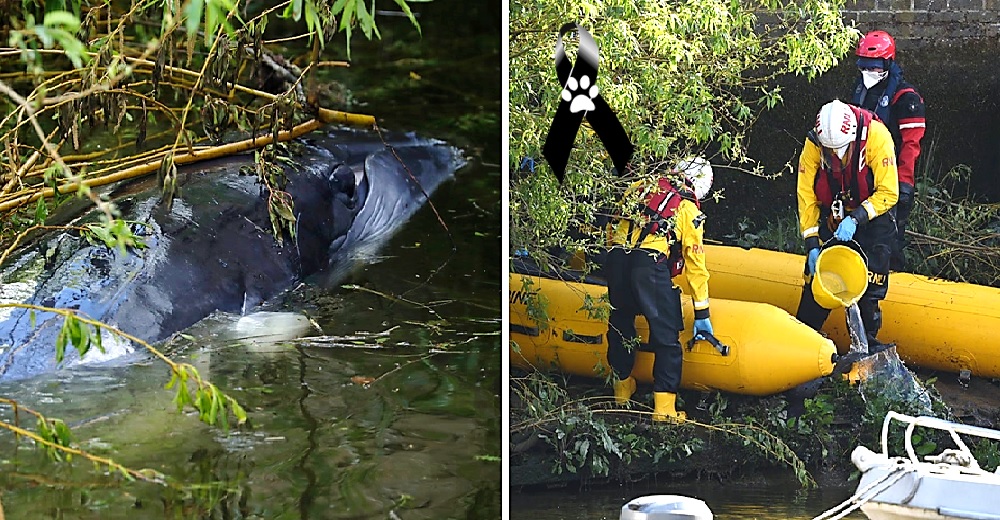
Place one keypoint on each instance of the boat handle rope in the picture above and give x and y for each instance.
(707, 336)
(866, 494)
(933, 422)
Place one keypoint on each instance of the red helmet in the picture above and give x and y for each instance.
(877, 44)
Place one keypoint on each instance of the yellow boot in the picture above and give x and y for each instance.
(624, 389)
(664, 408)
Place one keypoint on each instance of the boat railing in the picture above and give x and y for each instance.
(963, 456)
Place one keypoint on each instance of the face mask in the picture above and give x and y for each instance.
(872, 78)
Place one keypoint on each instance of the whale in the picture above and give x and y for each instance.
(213, 248)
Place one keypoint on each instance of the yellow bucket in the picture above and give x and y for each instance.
(841, 277)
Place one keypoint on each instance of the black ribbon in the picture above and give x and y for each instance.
(602, 119)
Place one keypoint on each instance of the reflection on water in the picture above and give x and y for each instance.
(773, 502)
(333, 433)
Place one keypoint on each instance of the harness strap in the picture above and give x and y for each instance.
(828, 162)
(655, 220)
(656, 217)
(855, 190)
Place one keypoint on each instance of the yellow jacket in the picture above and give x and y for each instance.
(880, 156)
(688, 222)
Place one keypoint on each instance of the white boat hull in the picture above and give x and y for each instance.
(930, 491)
(882, 511)
(949, 485)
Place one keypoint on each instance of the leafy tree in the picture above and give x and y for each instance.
(683, 78)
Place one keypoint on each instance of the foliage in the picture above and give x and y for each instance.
(159, 79)
(55, 439)
(887, 392)
(683, 78)
(586, 438)
(987, 453)
(589, 436)
(271, 177)
(953, 235)
(780, 233)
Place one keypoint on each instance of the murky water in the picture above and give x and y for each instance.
(772, 502)
(391, 410)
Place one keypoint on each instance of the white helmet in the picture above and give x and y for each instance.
(836, 126)
(698, 171)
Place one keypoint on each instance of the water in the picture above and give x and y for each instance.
(856, 328)
(390, 409)
(775, 501)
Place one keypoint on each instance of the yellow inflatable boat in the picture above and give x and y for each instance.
(935, 324)
(768, 350)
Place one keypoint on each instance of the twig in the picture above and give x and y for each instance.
(147, 476)
(956, 245)
(423, 357)
(49, 147)
(26, 232)
(393, 298)
(188, 158)
(18, 175)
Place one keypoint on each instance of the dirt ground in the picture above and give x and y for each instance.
(976, 403)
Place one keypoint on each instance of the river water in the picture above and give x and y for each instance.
(775, 501)
(391, 410)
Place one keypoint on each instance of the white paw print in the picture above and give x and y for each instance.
(583, 101)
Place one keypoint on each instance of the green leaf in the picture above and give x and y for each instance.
(212, 18)
(238, 411)
(41, 211)
(213, 410)
(45, 36)
(347, 21)
(62, 20)
(289, 11)
(173, 381)
(364, 18)
(193, 12)
(62, 433)
(203, 402)
(181, 396)
(61, 341)
(409, 14)
(296, 9)
(337, 7)
(99, 341)
(314, 24)
(487, 458)
(926, 448)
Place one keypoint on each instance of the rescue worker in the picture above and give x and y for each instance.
(880, 88)
(644, 258)
(847, 185)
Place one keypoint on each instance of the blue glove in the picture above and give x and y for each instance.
(811, 261)
(845, 231)
(702, 325)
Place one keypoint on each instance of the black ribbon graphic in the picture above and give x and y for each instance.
(602, 119)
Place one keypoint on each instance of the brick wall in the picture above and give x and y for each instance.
(927, 21)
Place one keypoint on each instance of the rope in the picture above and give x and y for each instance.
(859, 499)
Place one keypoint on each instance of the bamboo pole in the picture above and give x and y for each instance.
(326, 116)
